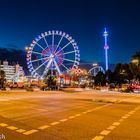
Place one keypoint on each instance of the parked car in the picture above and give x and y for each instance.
(125, 88)
(112, 86)
(33, 88)
(135, 88)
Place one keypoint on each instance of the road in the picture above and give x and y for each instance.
(70, 115)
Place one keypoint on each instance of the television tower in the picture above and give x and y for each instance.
(106, 47)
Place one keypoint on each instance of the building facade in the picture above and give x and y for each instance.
(11, 71)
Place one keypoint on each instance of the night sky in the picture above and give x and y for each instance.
(84, 20)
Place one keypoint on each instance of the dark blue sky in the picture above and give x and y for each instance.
(22, 20)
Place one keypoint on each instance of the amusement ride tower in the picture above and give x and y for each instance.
(106, 47)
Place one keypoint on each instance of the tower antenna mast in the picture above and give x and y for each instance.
(106, 47)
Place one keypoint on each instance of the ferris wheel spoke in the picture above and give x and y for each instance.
(46, 42)
(65, 67)
(69, 60)
(47, 67)
(40, 66)
(40, 46)
(57, 67)
(59, 43)
(63, 47)
(67, 53)
(36, 52)
(39, 59)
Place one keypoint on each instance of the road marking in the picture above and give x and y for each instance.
(71, 117)
(120, 120)
(20, 130)
(30, 132)
(54, 123)
(3, 124)
(116, 123)
(12, 127)
(111, 127)
(89, 111)
(124, 117)
(17, 129)
(131, 113)
(98, 138)
(63, 120)
(77, 115)
(44, 127)
(84, 112)
(127, 115)
(105, 132)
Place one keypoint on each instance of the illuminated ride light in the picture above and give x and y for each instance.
(52, 51)
(106, 47)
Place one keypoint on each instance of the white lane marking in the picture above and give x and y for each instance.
(124, 117)
(3, 124)
(105, 132)
(98, 138)
(77, 115)
(127, 115)
(63, 120)
(71, 117)
(12, 127)
(44, 127)
(120, 120)
(85, 112)
(116, 123)
(111, 127)
(30, 132)
(54, 123)
(20, 130)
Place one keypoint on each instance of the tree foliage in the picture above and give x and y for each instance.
(135, 65)
(2, 78)
(100, 79)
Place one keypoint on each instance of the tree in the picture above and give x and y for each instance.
(2, 78)
(110, 76)
(49, 79)
(122, 73)
(135, 65)
(100, 79)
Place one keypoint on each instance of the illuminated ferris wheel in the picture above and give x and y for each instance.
(52, 51)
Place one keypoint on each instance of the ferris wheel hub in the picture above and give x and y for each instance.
(52, 56)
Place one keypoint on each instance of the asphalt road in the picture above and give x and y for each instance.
(70, 115)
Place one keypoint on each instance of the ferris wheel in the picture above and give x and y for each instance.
(52, 51)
